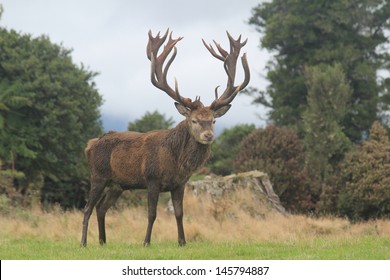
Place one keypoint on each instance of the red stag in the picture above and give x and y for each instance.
(159, 161)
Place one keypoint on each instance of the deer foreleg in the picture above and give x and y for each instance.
(177, 201)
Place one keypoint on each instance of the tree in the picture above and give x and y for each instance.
(307, 33)
(49, 108)
(150, 121)
(226, 147)
(327, 99)
(364, 181)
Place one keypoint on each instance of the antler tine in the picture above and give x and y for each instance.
(230, 63)
(155, 43)
(228, 98)
(158, 73)
(213, 52)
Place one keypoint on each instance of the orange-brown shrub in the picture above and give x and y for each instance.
(278, 152)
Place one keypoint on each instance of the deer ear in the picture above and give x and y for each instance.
(221, 111)
(183, 109)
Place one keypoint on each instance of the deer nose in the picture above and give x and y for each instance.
(208, 136)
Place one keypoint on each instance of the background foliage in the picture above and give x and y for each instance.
(279, 152)
(49, 108)
(327, 101)
(305, 33)
(365, 182)
(226, 147)
(324, 94)
(150, 121)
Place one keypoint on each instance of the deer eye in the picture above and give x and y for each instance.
(194, 121)
(213, 121)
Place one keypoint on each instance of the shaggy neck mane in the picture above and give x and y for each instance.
(189, 153)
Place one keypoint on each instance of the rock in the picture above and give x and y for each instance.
(224, 193)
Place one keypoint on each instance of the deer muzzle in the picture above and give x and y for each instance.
(207, 137)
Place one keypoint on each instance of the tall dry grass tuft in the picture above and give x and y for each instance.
(237, 218)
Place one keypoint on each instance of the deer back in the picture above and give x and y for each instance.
(133, 159)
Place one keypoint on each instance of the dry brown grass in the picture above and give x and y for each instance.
(234, 219)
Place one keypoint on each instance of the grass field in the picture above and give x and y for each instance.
(362, 248)
(56, 235)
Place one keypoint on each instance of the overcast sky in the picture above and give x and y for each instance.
(110, 37)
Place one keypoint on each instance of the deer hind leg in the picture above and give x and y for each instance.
(177, 201)
(97, 187)
(153, 195)
(109, 198)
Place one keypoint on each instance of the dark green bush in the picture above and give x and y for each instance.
(226, 148)
(365, 181)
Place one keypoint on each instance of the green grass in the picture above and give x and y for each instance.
(367, 247)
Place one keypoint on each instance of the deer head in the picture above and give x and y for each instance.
(200, 118)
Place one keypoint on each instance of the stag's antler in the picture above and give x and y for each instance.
(230, 61)
(158, 75)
